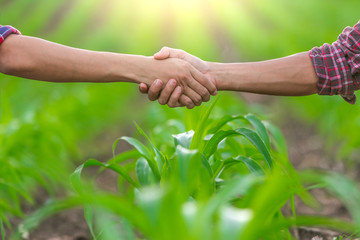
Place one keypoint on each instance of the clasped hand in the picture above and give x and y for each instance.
(190, 90)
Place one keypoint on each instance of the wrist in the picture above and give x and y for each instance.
(218, 75)
(132, 68)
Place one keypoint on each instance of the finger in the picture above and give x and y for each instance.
(204, 81)
(186, 101)
(167, 91)
(167, 52)
(194, 96)
(199, 90)
(162, 54)
(143, 88)
(175, 97)
(155, 89)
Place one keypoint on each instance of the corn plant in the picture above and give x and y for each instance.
(228, 178)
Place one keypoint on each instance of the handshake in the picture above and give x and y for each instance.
(172, 76)
(189, 87)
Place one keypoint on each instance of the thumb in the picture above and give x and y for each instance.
(162, 54)
(143, 88)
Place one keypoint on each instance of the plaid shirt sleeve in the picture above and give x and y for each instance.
(6, 31)
(337, 65)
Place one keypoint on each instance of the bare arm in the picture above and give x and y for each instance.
(289, 76)
(39, 59)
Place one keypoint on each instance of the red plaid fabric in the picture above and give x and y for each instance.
(338, 65)
(6, 31)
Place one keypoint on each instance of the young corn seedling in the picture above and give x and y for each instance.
(228, 178)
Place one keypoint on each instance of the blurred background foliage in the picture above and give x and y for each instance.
(45, 127)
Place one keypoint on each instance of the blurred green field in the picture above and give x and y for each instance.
(47, 129)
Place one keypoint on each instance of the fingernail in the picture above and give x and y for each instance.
(157, 82)
(172, 82)
(214, 94)
(178, 89)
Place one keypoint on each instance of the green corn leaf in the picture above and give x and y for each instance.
(275, 192)
(232, 221)
(144, 173)
(183, 139)
(232, 189)
(279, 143)
(213, 143)
(200, 133)
(292, 205)
(2, 229)
(228, 192)
(88, 214)
(146, 153)
(206, 164)
(254, 121)
(309, 221)
(114, 146)
(16, 188)
(217, 125)
(251, 164)
(342, 187)
(184, 162)
(160, 158)
(141, 131)
(128, 230)
(5, 204)
(143, 150)
(150, 200)
(252, 136)
(260, 128)
(3, 218)
(76, 176)
(131, 154)
(237, 148)
(217, 168)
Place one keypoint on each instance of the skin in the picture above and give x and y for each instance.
(38, 59)
(289, 76)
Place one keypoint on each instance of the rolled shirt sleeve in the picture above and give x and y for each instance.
(337, 65)
(5, 31)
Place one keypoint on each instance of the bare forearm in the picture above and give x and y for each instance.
(38, 59)
(289, 76)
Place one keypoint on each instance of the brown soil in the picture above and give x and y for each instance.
(68, 225)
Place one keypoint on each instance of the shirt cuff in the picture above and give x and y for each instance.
(5, 31)
(334, 75)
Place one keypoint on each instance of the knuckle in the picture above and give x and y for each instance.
(184, 64)
(152, 93)
(184, 100)
(183, 75)
(204, 92)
